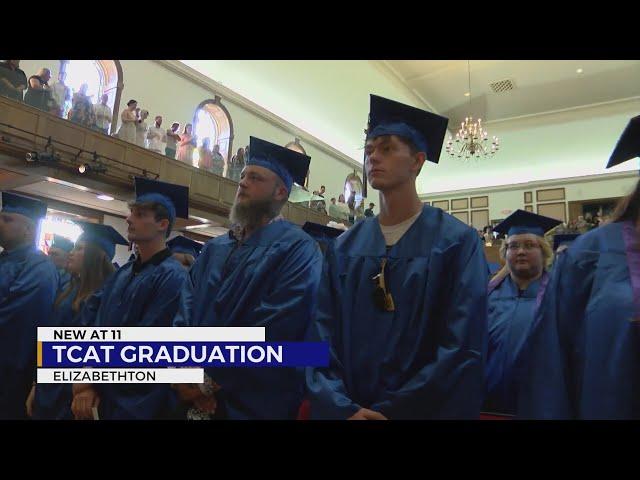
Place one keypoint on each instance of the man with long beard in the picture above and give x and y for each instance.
(263, 273)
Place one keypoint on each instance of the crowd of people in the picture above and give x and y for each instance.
(135, 125)
(350, 211)
(416, 325)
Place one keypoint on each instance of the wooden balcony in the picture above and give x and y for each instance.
(24, 129)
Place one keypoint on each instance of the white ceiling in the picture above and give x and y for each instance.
(540, 85)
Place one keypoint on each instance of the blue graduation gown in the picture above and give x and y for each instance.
(65, 278)
(510, 319)
(493, 268)
(425, 359)
(269, 280)
(28, 285)
(53, 400)
(147, 299)
(584, 350)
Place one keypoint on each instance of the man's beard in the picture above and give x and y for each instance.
(251, 214)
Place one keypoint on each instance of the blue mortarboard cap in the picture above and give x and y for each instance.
(628, 145)
(426, 130)
(182, 244)
(63, 243)
(175, 198)
(522, 221)
(104, 236)
(321, 232)
(29, 207)
(564, 239)
(289, 165)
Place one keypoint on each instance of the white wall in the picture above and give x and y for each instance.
(504, 201)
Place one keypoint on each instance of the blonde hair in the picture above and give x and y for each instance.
(547, 257)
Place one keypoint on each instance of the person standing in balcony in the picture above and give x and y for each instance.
(128, 117)
(218, 160)
(172, 139)
(141, 129)
(103, 115)
(82, 109)
(156, 136)
(186, 145)
(205, 158)
(38, 92)
(13, 81)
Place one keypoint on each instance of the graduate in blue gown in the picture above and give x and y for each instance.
(59, 255)
(585, 346)
(402, 298)
(184, 250)
(142, 293)
(493, 267)
(562, 241)
(513, 294)
(322, 234)
(28, 285)
(90, 263)
(265, 272)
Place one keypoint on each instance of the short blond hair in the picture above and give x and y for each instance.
(547, 256)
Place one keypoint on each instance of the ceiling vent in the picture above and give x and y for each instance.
(502, 86)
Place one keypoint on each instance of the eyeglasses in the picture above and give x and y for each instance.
(527, 246)
(382, 299)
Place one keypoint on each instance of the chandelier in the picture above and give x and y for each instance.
(472, 140)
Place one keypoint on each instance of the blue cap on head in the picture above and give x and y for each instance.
(424, 129)
(564, 239)
(521, 221)
(62, 243)
(29, 207)
(182, 244)
(628, 145)
(103, 236)
(175, 198)
(289, 165)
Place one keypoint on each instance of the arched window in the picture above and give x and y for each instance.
(212, 121)
(101, 76)
(297, 147)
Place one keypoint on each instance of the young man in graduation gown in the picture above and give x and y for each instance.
(263, 273)
(143, 293)
(59, 255)
(402, 297)
(28, 285)
(513, 293)
(584, 349)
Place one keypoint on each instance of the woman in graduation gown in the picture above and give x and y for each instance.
(512, 301)
(584, 350)
(90, 266)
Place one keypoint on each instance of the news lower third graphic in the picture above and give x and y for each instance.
(163, 354)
